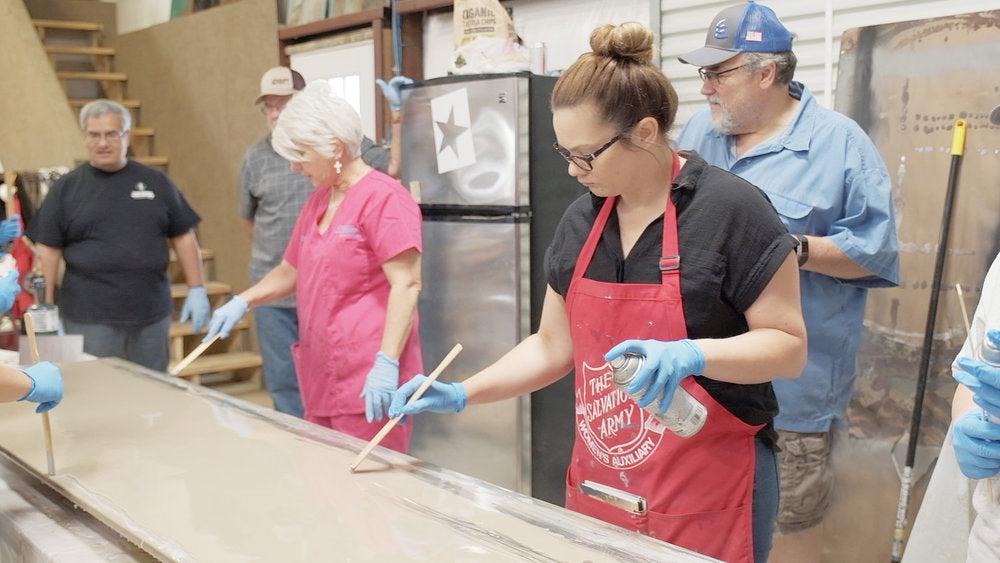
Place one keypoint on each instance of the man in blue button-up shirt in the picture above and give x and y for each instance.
(829, 185)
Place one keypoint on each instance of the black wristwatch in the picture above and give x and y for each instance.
(803, 249)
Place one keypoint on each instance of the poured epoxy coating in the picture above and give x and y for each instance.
(189, 474)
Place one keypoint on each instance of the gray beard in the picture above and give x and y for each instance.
(724, 124)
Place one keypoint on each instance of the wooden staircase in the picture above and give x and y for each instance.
(228, 365)
(86, 70)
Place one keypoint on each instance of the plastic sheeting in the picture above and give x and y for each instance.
(190, 474)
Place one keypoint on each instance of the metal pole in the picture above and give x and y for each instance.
(957, 148)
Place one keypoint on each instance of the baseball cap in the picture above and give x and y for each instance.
(749, 27)
(280, 81)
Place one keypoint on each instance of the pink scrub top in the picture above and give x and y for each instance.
(342, 293)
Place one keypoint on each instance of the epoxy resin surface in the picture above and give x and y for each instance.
(193, 475)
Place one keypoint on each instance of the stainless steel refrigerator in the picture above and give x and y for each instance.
(477, 153)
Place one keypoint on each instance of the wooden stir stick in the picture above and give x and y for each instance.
(416, 395)
(177, 369)
(29, 329)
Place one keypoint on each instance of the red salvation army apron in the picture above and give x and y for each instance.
(627, 468)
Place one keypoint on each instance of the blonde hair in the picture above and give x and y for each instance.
(619, 78)
(318, 119)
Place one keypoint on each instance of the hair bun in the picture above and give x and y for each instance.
(629, 40)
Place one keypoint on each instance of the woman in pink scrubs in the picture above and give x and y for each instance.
(353, 262)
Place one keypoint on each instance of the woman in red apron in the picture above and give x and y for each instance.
(682, 262)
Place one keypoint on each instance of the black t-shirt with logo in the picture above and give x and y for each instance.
(113, 229)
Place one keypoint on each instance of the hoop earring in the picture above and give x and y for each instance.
(337, 166)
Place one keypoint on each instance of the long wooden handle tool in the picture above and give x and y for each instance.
(416, 395)
(29, 329)
(177, 369)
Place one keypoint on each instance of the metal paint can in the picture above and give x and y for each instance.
(685, 416)
(45, 318)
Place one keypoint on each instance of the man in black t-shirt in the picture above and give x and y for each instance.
(110, 220)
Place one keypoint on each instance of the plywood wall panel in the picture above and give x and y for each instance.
(39, 129)
(197, 77)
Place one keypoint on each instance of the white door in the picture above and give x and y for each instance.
(350, 69)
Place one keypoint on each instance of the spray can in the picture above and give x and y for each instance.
(685, 416)
(991, 355)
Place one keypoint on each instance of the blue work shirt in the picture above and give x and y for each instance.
(825, 178)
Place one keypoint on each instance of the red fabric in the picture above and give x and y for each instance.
(24, 258)
(698, 490)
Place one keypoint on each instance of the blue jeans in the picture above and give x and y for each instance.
(765, 501)
(146, 345)
(277, 330)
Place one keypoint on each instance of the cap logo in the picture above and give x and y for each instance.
(277, 81)
(755, 36)
(722, 29)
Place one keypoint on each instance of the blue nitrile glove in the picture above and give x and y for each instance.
(982, 378)
(380, 384)
(391, 90)
(977, 446)
(667, 363)
(46, 385)
(225, 318)
(439, 397)
(9, 288)
(10, 229)
(196, 308)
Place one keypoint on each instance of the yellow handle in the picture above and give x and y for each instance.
(958, 141)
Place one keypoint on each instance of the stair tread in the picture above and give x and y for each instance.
(151, 160)
(79, 50)
(229, 361)
(80, 102)
(91, 75)
(68, 24)
(178, 290)
(206, 254)
(184, 329)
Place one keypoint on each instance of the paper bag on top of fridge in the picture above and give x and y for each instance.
(485, 41)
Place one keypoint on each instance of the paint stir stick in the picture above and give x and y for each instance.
(177, 369)
(29, 329)
(416, 395)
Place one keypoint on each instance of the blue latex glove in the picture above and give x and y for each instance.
(391, 90)
(9, 288)
(10, 229)
(982, 378)
(225, 318)
(667, 363)
(439, 397)
(380, 384)
(977, 446)
(46, 385)
(196, 308)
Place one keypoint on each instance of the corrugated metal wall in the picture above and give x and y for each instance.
(818, 25)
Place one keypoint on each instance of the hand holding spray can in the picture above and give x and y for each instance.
(990, 355)
(685, 416)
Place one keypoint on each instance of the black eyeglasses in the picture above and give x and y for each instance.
(109, 136)
(708, 75)
(584, 161)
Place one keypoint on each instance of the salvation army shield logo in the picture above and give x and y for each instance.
(618, 433)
